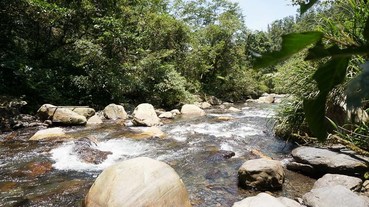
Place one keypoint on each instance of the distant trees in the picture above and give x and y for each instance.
(95, 52)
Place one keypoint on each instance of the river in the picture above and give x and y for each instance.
(51, 174)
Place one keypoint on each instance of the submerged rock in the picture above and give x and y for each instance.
(334, 196)
(222, 155)
(261, 174)
(326, 161)
(138, 182)
(86, 151)
(145, 115)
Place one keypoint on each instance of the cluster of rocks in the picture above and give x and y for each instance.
(334, 189)
(268, 98)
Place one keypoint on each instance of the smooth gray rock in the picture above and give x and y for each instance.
(326, 161)
(334, 196)
(262, 174)
(351, 183)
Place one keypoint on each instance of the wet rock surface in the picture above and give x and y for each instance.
(85, 149)
(221, 155)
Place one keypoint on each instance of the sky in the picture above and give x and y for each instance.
(259, 13)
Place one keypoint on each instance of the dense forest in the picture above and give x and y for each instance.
(90, 52)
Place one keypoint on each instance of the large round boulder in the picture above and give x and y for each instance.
(60, 115)
(114, 112)
(145, 115)
(192, 110)
(138, 182)
(261, 174)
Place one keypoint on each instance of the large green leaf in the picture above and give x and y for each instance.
(366, 30)
(291, 44)
(305, 6)
(358, 88)
(315, 115)
(327, 77)
(319, 52)
(331, 74)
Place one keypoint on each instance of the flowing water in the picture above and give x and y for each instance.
(51, 174)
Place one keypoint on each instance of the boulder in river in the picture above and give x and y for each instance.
(146, 133)
(145, 115)
(60, 115)
(334, 196)
(221, 155)
(326, 161)
(261, 174)
(351, 183)
(167, 115)
(233, 109)
(266, 98)
(86, 151)
(114, 112)
(84, 111)
(138, 182)
(50, 134)
(94, 120)
(266, 200)
(192, 110)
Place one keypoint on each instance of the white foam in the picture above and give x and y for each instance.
(257, 113)
(66, 159)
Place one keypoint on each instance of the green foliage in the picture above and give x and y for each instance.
(97, 52)
(333, 71)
